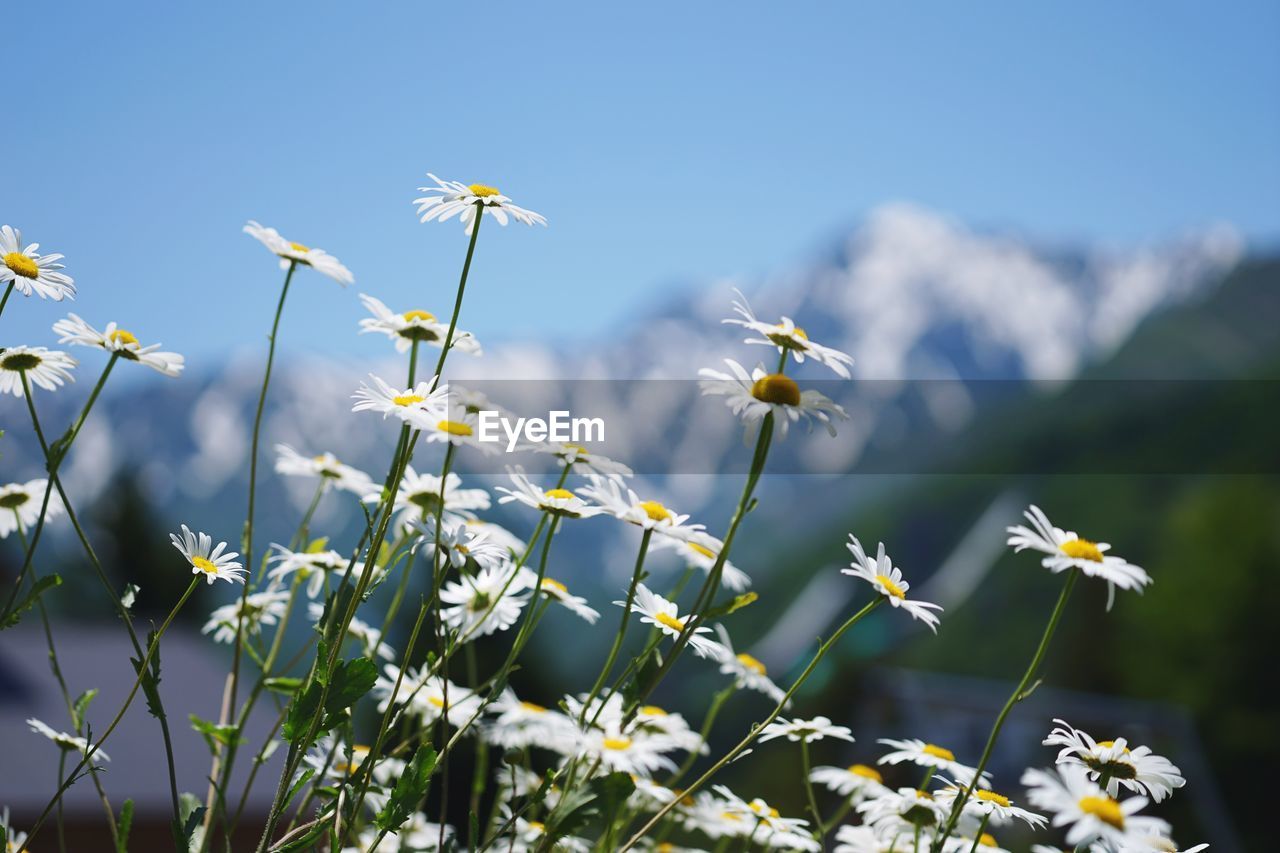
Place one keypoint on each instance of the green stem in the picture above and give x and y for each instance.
(756, 729)
(5, 300)
(808, 788)
(1017, 696)
(457, 302)
(142, 668)
(717, 702)
(977, 836)
(622, 626)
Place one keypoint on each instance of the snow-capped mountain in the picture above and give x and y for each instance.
(910, 294)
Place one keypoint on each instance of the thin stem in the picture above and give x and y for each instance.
(808, 787)
(142, 668)
(1017, 696)
(756, 729)
(5, 299)
(622, 626)
(457, 302)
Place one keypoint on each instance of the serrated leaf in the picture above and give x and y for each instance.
(188, 831)
(410, 789)
(602, 798)
(214, 733)
(350, 681)
(28, 601)
(150, 680)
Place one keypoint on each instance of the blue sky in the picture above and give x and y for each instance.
(666, 142)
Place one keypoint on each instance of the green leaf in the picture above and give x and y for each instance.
(602, 798)
(123, 825)
(188, 832)
(37, 589)
(215, 734)
(80, 706)
(150, 680)
(283, 685)
(410, 789)
(297, 786)
(351, 680)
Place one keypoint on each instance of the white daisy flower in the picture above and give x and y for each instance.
(314, 567)
(886, 579)
(448, 199)
(766, 825)
(1089, 812)
(326, 467)
(1158, 844)
(68, 742)
(998, 809)
(746, 670)
(459, 543)
(796, 730)
(20, 505)
(367, 635)
(924, 754)
(499, 534)
(518, 724)
(559, 593)
(527, 836)
(213, 564)
(30, 272)
(121, 342)
(458, 428)
(624, 504)
(483, 604)
(899, 812)
(332, 759)
(14, 840)
(628, 751)
(44, 368)
(857, 781)
(862, 839)
(665, 616)
(418, 406)
(415, 325)
(984, 843)
(1136, 768)
(752, 396)
(253, 611)
(290, 252)
(583, 460)
(1066, 550)
(420, 496)
(702, 550)
(557, 501)
(423, 694)
(420, 834)
(788, 337)
(654, 721)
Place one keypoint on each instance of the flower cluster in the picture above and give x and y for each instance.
(367, 726)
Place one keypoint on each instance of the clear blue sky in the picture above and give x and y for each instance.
(664, 141)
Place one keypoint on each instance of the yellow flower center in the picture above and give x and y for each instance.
(655, 510)
(938, 752)
(204, 565)
(652, 711)
(454, 427)
(537, 826)
(617, 743)
(703, 550)
(890, 587)
(776, 388)
(986, 839)
(751, 663)
(552, 585)
(865, 772)
(992, 797)
(1104, 809)
(407, 399)
(482, 191)
(20, 361)
(424, 316)
(298, 247)
(22, 265)
(668, 621)
(578, 449)
(121, 336)
(534, 707)
(1081, 549)
(788, 340)
(761, 809)
(435, 701)
(558, 494)
(13, 500)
